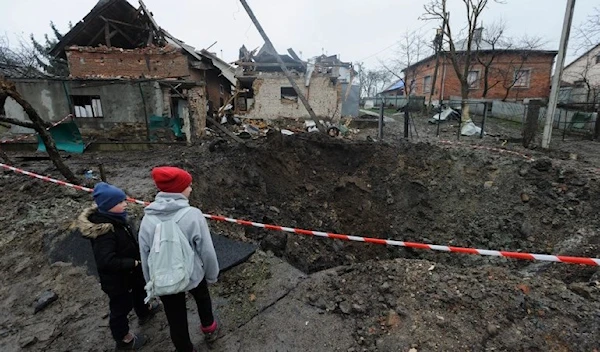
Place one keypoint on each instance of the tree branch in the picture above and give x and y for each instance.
(16, 122)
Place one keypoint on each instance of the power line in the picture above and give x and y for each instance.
(395, 43)
(379, 52)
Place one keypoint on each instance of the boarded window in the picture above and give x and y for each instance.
(522, 78)
(427, 84)
(473, 79)
(87, 106)
(289, 94)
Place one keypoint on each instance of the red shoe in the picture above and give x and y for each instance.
(211, 333)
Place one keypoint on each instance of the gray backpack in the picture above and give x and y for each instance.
(171, 258)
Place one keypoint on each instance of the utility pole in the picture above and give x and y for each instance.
(283, 67)
(560, 62)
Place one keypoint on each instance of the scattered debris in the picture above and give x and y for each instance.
(28, 341)
(470, 129)
(45, 299)
(446, 114)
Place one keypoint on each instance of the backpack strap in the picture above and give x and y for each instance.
(181, 213)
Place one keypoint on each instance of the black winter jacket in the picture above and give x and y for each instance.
(115, 250)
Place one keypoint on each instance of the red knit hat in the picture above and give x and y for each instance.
(171, 179)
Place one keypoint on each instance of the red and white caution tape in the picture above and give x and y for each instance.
(34, 134)
(451, 249)
(492, 149)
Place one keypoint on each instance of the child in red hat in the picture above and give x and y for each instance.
(175, 186)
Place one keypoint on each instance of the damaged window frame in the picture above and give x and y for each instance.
(288, 94)
(81, 109)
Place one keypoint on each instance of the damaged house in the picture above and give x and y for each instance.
(264, 92)
(127, 73)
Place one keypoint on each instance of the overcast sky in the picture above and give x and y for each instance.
(364, 31)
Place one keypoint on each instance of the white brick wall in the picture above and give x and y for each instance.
(323, 96)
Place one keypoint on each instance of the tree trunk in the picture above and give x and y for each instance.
(465, 115)
(531, 123)
(507, 93)
(486, 83)
(39, 127)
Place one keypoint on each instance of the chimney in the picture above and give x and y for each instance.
(477, 35)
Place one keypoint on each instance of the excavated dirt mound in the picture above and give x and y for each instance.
(411, 192)
(387, 298)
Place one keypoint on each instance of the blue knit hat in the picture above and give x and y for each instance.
(107, 196)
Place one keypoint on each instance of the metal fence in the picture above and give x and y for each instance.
(577, 120)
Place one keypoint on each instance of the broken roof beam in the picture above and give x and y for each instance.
(294, 56)
(91, 42)
(123, 23)
(159, 32)
(109, 24)
(108, 35)
(287, 73)
(149, 15)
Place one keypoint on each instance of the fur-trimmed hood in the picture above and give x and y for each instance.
(89, 229)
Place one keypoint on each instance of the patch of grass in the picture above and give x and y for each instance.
(386, 112)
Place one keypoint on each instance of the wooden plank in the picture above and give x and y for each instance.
(225, 130)
(123, 23)
(149, 15)
(107, 35)
(91, 42)
(117, 29)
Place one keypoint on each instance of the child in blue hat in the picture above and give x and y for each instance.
(117, 256)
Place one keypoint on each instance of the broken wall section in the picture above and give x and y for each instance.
(116, 109)
(323, 96)
(149, 62)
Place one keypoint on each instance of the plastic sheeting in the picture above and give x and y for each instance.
(66, 137)
(470, 129)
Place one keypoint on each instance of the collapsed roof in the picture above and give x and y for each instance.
(116, 23)
(112, 23)
(266, 61)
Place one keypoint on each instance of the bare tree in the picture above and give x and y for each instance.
(588, 36)
(513, 71)
(461, 57)
(373, 82)
(588, 32)
(19, 58)
(493, 43)
(412, 48)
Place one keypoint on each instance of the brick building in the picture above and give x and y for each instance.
(502, 74)
(266, 93)
(117, 42)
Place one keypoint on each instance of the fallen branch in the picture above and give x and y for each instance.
(16, 122)
(8, 89)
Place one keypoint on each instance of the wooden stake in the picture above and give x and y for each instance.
(102, 173)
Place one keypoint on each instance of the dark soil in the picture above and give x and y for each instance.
(389, 299)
